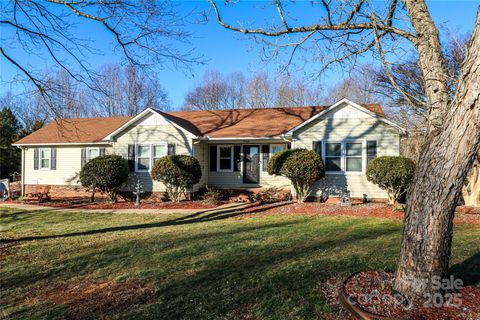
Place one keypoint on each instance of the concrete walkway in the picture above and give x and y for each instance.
(229, 207)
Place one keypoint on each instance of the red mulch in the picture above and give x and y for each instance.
(463, 215)
(82, 203)
(373, 291)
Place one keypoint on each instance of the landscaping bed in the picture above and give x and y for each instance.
(85, 203)
(370, 295)
(464, 215)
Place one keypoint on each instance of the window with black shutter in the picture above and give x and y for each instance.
(36, 158)
(371, 150)
(317, 147)
(171, 149)
(213, 158)
(236, 158)
(265, 156)
(53, 158)
(131, 157)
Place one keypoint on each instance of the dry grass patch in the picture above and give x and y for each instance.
(92, 300)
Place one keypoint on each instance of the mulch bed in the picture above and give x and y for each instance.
(463, 215)
(373, 292)
(92, 300)
(82, 203)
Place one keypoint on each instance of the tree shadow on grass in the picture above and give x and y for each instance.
(241, 276)
(201, 216)
(468, 270)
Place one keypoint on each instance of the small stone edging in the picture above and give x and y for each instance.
(354, 309)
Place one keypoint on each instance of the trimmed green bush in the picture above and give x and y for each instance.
(105, 174)
(178, 173)
(393, 174)
(303, 167)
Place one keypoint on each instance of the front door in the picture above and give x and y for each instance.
(251, 164)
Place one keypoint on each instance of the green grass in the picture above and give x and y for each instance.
(203, 267)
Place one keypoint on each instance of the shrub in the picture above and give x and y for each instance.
(303, 167)
(178, 173)
(214, 196)
(269, 195)
(105, 174)
(392, 174)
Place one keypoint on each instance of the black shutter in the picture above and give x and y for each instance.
(101, 152)
(213, 158)
(35, 158)
(265, 156)
(236, 158)
(171, 149)
(83, 157)
(317, 147)
(131, 157)
(53, 158)
(371, 150)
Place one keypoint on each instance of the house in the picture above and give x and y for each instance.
(232, 146)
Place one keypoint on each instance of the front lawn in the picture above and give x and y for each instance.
(173, 266)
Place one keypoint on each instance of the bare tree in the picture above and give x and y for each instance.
(145, 34)
(127, 91)
(260, 91)
(349, 29)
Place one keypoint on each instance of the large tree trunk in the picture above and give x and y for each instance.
(471, 190)
(444, 163)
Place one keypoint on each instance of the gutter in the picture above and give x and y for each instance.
(61, 144)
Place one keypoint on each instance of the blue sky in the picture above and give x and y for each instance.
(228, 51)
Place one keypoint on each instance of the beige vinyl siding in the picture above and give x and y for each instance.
(68, 166)
(234, 179)
(151, 132)
(337, 129)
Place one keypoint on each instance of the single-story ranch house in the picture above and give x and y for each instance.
(232, 146)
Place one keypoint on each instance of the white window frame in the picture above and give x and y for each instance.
(150, 154)
(231, 157)
(41, 159)
(285, 146)
(343, 156)
(87, 151)
(152, 148)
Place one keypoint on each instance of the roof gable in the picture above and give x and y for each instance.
(372, 110)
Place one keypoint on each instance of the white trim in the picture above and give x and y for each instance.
(353, 104)
(40, 165)
(207, 138)
(343, 156)
(106, 143)
(87, 153)
(137, 145)
(139, 116)
(231, 157)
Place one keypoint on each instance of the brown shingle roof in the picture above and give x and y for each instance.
(267, 122)
(75, 130)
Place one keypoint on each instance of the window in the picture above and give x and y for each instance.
(92, 153)
(274, 148)
(45, 156)
(354, 157)
(371, 150)
(333, 157)
(143, 157)
(159, 150)
(225, 158)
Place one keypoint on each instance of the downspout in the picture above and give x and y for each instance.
(23, 171)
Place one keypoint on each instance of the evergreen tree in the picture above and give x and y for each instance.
(10, 157)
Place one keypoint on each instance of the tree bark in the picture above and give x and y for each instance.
(471, 190)
(431, 61)
(443, 166)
